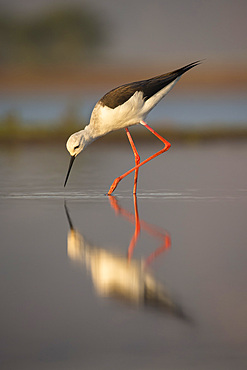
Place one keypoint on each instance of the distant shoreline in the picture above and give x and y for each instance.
(18, 134)
(75, 78)
(204, 79)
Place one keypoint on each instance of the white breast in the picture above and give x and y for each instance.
(105, 119)
(134, 110)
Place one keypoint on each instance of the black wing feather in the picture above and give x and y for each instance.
(149, 87)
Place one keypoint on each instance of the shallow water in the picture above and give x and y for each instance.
(80, 304)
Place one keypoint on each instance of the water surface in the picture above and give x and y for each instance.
(60, 306)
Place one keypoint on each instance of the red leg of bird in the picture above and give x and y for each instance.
(137, 158)
(166, 147)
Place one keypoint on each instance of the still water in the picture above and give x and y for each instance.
(96, 282)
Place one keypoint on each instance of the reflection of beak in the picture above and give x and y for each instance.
(68, 216)
(69, 169)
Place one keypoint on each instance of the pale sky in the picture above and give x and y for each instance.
(170, 30)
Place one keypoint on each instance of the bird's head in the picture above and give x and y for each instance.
(75, 145)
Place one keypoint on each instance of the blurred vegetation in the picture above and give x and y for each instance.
(60, 36)
(70, 37)
(14, 131)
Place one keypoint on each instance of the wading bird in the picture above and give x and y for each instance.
(125, 106)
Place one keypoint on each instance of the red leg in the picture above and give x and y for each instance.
(166, 147)
(137, 158)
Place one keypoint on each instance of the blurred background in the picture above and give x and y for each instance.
(58, 58)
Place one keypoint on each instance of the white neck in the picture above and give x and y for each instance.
(87, 135)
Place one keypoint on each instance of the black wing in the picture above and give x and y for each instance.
(149, 87)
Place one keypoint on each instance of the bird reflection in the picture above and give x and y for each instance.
(118, 277)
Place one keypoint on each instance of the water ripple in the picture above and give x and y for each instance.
(188, 195)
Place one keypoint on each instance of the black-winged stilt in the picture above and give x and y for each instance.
(122, 107)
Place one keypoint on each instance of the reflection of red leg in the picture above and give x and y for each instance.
(140, 224)
(137, 158)
(166, 147)
(130, 217)
(136, 233)
(119, 210)
(166, 245)
(114, 204)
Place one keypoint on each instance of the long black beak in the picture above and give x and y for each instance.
(69, 169)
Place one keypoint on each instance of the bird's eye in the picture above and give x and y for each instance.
(76, 147)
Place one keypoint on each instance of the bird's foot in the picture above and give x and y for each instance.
(114, 185)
